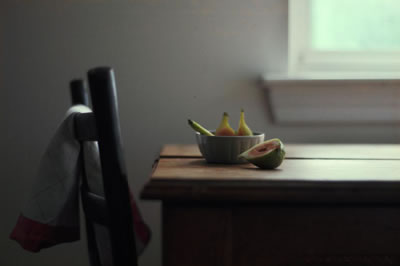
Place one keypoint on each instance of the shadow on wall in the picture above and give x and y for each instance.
(342, 111)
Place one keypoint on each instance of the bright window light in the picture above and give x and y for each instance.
(355, 25)
(344, 36)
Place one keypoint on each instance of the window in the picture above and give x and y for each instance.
(336, 37)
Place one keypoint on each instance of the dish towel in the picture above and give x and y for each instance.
(51, 215)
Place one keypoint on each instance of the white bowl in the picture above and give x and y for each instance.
(225, 149)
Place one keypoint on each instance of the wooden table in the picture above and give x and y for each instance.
(325, 205)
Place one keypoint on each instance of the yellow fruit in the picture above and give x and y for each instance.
(224, 128)
(243, 129)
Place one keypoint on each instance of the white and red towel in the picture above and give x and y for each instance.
(51, 215)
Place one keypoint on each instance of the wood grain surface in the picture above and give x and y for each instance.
(293, 151)
(180, 175)
(290, 170)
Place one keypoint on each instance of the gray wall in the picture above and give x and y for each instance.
(173, 60)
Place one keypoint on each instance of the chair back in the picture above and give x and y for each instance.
(108, 214)
(78, 92)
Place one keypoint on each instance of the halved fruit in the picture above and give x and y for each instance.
(266, 155)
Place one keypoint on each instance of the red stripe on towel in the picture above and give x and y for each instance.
(33, 236)
(141, 229)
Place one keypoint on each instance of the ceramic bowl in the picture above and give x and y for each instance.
(225, 149)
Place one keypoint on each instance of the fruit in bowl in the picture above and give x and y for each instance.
(226, 149)
(224, 128)
(224, 145)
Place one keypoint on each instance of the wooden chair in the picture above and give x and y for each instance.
(78, 92)
(112, 212)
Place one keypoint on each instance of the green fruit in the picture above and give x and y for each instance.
(266, 155)
(197, 127)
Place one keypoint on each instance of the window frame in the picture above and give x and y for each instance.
(303, 61)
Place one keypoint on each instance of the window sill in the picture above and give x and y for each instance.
(334, 99)
(278, 78)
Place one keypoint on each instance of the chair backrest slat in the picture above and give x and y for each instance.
(116, 190)
(111, 210)
(78, 92)
(95, 206)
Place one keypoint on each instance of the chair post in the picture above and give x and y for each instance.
(78, 92)
(105, 107)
